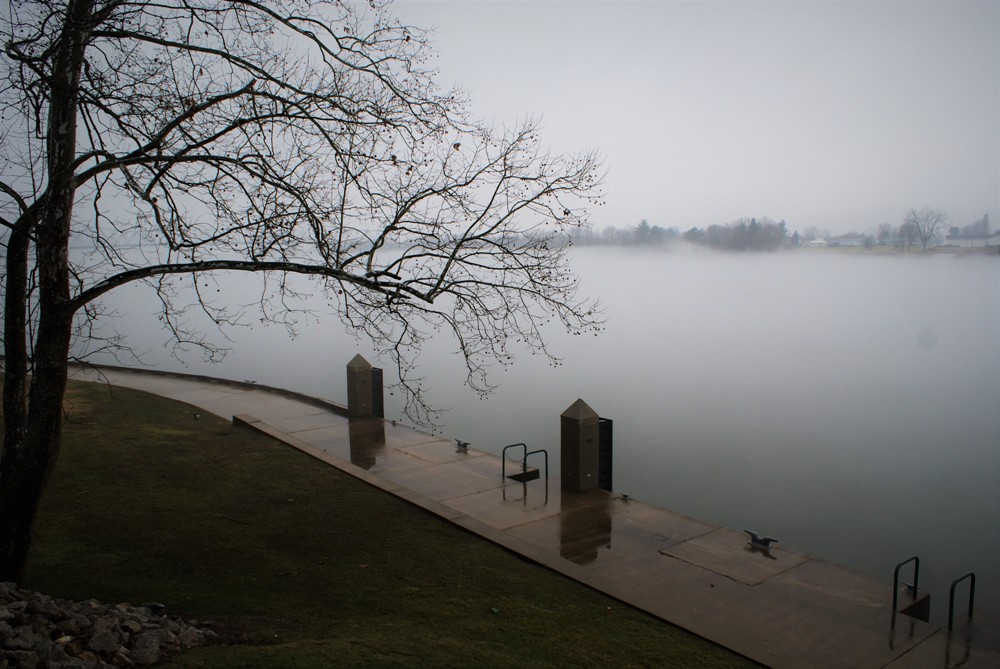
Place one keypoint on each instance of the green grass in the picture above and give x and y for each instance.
(297, 564)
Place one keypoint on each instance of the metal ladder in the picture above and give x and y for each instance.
(921, 610)
(524, 475)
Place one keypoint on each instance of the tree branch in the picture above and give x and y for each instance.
(393, 289)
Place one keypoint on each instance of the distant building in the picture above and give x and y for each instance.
(853, 239)
(969, 240)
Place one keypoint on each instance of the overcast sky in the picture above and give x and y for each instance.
(839, 115)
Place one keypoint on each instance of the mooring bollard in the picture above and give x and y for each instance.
(364, 388)
(579, 437)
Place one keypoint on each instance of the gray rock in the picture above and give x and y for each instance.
(25, 659)
(174, 626)
(132, 626)
(87, 634)
(122, 660)
(104, 641)
(190, 637)
(72, 626)
(51, 652)
(37, 605)
(70, 664)
(147, 649)
(24, 638)
(12, 592)
(104, 621)
(163, 637)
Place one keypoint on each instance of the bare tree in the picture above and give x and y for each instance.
(173, 140)
(925, 224)
(907, 233)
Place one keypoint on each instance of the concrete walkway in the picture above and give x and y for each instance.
(782, 608)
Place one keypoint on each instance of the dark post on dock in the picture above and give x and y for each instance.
(604, 454)
(364, 388)
(579, 436)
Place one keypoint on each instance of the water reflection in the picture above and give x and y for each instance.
(367, 438)
(907, 634)
(584, 532)
(518, 491)
(858, 393)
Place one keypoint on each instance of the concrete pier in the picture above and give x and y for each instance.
(779, 607)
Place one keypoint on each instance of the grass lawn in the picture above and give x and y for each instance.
(297, 564)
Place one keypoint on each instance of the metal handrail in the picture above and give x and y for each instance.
(895, 580)
(543, 452)
(524, 459)
(951, 596)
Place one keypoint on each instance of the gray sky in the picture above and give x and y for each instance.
(839, 115)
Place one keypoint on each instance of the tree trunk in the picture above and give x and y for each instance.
(24, 471)
(13, 528)
(15, 362)
(31, 444)
(28, 461)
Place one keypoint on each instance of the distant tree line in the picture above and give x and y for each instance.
(746, 234)
(919, 227)
(751, 234)
(968, 233)
(642, 234)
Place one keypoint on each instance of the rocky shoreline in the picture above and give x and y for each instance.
(41, 632)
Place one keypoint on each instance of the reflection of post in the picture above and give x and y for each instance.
(584, 531)
(965, 640)
(579, 436)
(907, 634)
(367, 441)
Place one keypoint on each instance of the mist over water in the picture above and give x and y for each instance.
(847, 404)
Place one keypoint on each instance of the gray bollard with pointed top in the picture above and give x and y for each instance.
(359, 387)
(579, 448)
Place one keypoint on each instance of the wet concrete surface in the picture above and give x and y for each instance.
(779, 607)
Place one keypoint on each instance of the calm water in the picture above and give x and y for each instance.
(849, 406)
